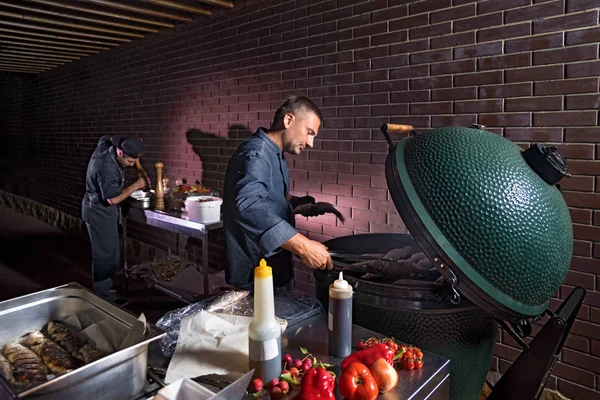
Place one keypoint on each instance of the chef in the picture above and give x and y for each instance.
(258, 213)
(104, 184)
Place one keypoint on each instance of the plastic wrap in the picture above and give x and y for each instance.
(294, 307)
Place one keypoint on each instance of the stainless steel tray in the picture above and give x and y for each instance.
(118, 376)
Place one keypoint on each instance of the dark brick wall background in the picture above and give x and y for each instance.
(527, 69)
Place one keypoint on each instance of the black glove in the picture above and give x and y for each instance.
(300, 201)
(320, 208)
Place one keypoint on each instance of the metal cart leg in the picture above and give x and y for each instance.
(523, 379)
(125, 266)
(205, 265)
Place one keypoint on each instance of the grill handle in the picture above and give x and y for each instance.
(385, 128)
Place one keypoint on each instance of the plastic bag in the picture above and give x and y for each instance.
(294, 307)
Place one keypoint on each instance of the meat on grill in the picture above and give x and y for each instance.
(398, 267)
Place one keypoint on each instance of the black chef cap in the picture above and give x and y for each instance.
(131, 146)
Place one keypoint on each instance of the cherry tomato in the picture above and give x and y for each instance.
(418, 353)
(418, 363)
(409, 353)
(403, 346)
(361, 345)
(409, 364)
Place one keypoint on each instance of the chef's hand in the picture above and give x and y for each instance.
(146, 179)
(316, 256)
(140, 183)
(313, 254)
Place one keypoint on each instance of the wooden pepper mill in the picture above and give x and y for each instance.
(159, 191)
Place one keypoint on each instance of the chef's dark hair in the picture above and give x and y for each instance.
(295, 105)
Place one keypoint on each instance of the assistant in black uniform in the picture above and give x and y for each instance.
(104, 182)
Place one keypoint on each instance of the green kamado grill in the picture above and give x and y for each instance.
(491, 218)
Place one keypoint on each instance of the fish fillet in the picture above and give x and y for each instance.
(27, 366)
(6, 370)
(75, 345)
(54, 356)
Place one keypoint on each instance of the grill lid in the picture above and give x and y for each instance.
(486, 213)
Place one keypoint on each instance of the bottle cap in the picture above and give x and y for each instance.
(340, 283)
(263, 270)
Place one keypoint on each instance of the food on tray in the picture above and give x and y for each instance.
(55, 357)
(167, 268)
(40, 355)
(205, 199)
(184, 187)
(27, 366)
(6, 370)
(65, 338)
(90, 354)
(72, 343)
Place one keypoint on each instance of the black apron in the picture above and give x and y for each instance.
(103, 227)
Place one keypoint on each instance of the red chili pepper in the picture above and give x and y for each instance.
(357, 383)
(370, 355)
(317, 383)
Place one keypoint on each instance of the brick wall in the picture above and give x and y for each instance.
(527, 69)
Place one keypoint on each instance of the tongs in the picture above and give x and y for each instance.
(365, 268)
(358, 257)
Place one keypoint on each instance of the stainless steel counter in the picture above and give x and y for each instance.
(173, 221)
(176, 222)
(430, 382)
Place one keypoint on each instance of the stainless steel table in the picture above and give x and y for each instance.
(432, 382)
(177, 222)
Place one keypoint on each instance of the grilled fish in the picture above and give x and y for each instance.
(89, 354)
(27, 366)
(64, 337)
(75, 345)
(54, 356)
(6, 370)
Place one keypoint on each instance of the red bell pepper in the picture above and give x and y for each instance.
(317, 383)
(370, 355)
(357, 383)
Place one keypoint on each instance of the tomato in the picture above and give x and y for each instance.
(408, 364)
(418, 363)
(409, 353)
(361, 345)
(357, 383)
(393, 346)
(403, 346)
(418, 353)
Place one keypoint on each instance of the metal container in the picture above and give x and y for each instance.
(141, 199)
(120, 375)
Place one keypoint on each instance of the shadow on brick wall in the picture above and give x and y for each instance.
(214, 152)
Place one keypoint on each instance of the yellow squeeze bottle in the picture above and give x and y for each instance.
(264, 332)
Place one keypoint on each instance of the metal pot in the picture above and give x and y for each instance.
(141, 199)
(419, 313)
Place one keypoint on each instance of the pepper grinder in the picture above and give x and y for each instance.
(159, 191)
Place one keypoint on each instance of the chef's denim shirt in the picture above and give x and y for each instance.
(257, 216)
